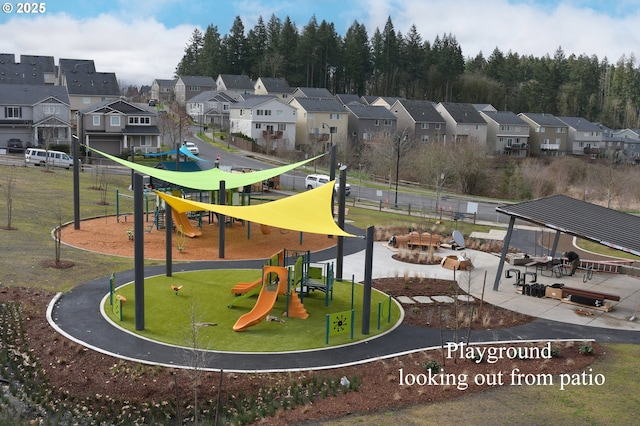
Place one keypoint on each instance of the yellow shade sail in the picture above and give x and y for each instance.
(309, 211)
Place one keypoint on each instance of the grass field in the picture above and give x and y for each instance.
(186, 318)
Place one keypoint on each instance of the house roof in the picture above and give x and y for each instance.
(119, 105)
(543, 119)
(368, 99)
(371, 112)
(141, 130)
(75, 65)
(197, 80)
(320, 104)
(421, 111)
(21, 73)
(31, 94)
(346, 99)
(274, 84)
(313, 92)
(165, 83)
(47, 63)
(580, 124)
(504, 117)
(257, 100)
(7, 58)
(92, 83)
(236, 82)
(463, 113)
(203, 96)
(589, 221)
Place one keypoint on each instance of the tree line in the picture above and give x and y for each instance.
(389, 63)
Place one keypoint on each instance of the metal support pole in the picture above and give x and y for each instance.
(395, 204)
(368, 267)
(341, 213)
(168, 224)
(222, 200)
(138, 230)
(76, 186)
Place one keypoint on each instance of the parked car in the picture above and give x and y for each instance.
(15, 145)
(192, 147)
(42, 157)
(314, 181)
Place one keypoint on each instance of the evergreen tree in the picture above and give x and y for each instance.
(356, 52)
(236, 48)
(190, 65)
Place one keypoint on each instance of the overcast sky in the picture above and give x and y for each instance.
(141, 40)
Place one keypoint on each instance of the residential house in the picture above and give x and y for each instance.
(548, 134)
(187, 86)
(73, 66)
(210, 108)
(385, 101)
(277, 87)
(626, 141)
(349, 99)
(25, 72)
(507, 134)
(267, 119)
(370, 124)
(118, 126)
(162, 90)
(234, 85)
(320, 123)
(420, 120)
(45, 64)
(584, 137)
(464, 123)
(35, 114)
(312, 92)
(368, 100)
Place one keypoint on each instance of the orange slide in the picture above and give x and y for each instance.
(267, 299)
(181, 219)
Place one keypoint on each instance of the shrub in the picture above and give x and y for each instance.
(432, 365)
(586, 349)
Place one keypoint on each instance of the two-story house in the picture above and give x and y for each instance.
(273, 86)
(507, 134)
(312, 92)
(267, 119)
(187, 86)
(162, 90)
(321, 122)
(35, 114)
(548, 134)
(235, 85)
(370, 124)
(210, 108)
(117, 127)
(625, 140)
(464, 123)
(584, 137)
(420, 120)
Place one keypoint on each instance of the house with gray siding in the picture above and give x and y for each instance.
(420, 119)
(584, 137)
(548, 134)
(507, 134)
(370, 124)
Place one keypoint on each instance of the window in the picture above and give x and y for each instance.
(424, 126)
(12, 112)
(145, 141)
(137, 121)
(335, 116)
(376, 122)
(282, 127)
(387, 123)
(559, 129)
(263, 112)
(542, 129)
(518, 129)
(279, 112)
(258, 125)
(86, 100)
(309, 115)
(96, 120)
(438, 126)
(115, 120)
(51, 110)
(424, 138)
(225, 107)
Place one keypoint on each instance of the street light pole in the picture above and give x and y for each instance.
(403, 136)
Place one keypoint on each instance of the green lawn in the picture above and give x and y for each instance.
(203, 299)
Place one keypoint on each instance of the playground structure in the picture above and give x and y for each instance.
(275, 282)
(294, 282)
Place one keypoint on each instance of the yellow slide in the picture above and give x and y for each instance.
(267, 299)
(181, 219)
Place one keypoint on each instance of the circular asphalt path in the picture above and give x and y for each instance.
(76, 315)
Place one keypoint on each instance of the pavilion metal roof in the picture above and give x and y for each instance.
(579, 218)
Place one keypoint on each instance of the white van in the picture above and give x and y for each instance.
(38, 157)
